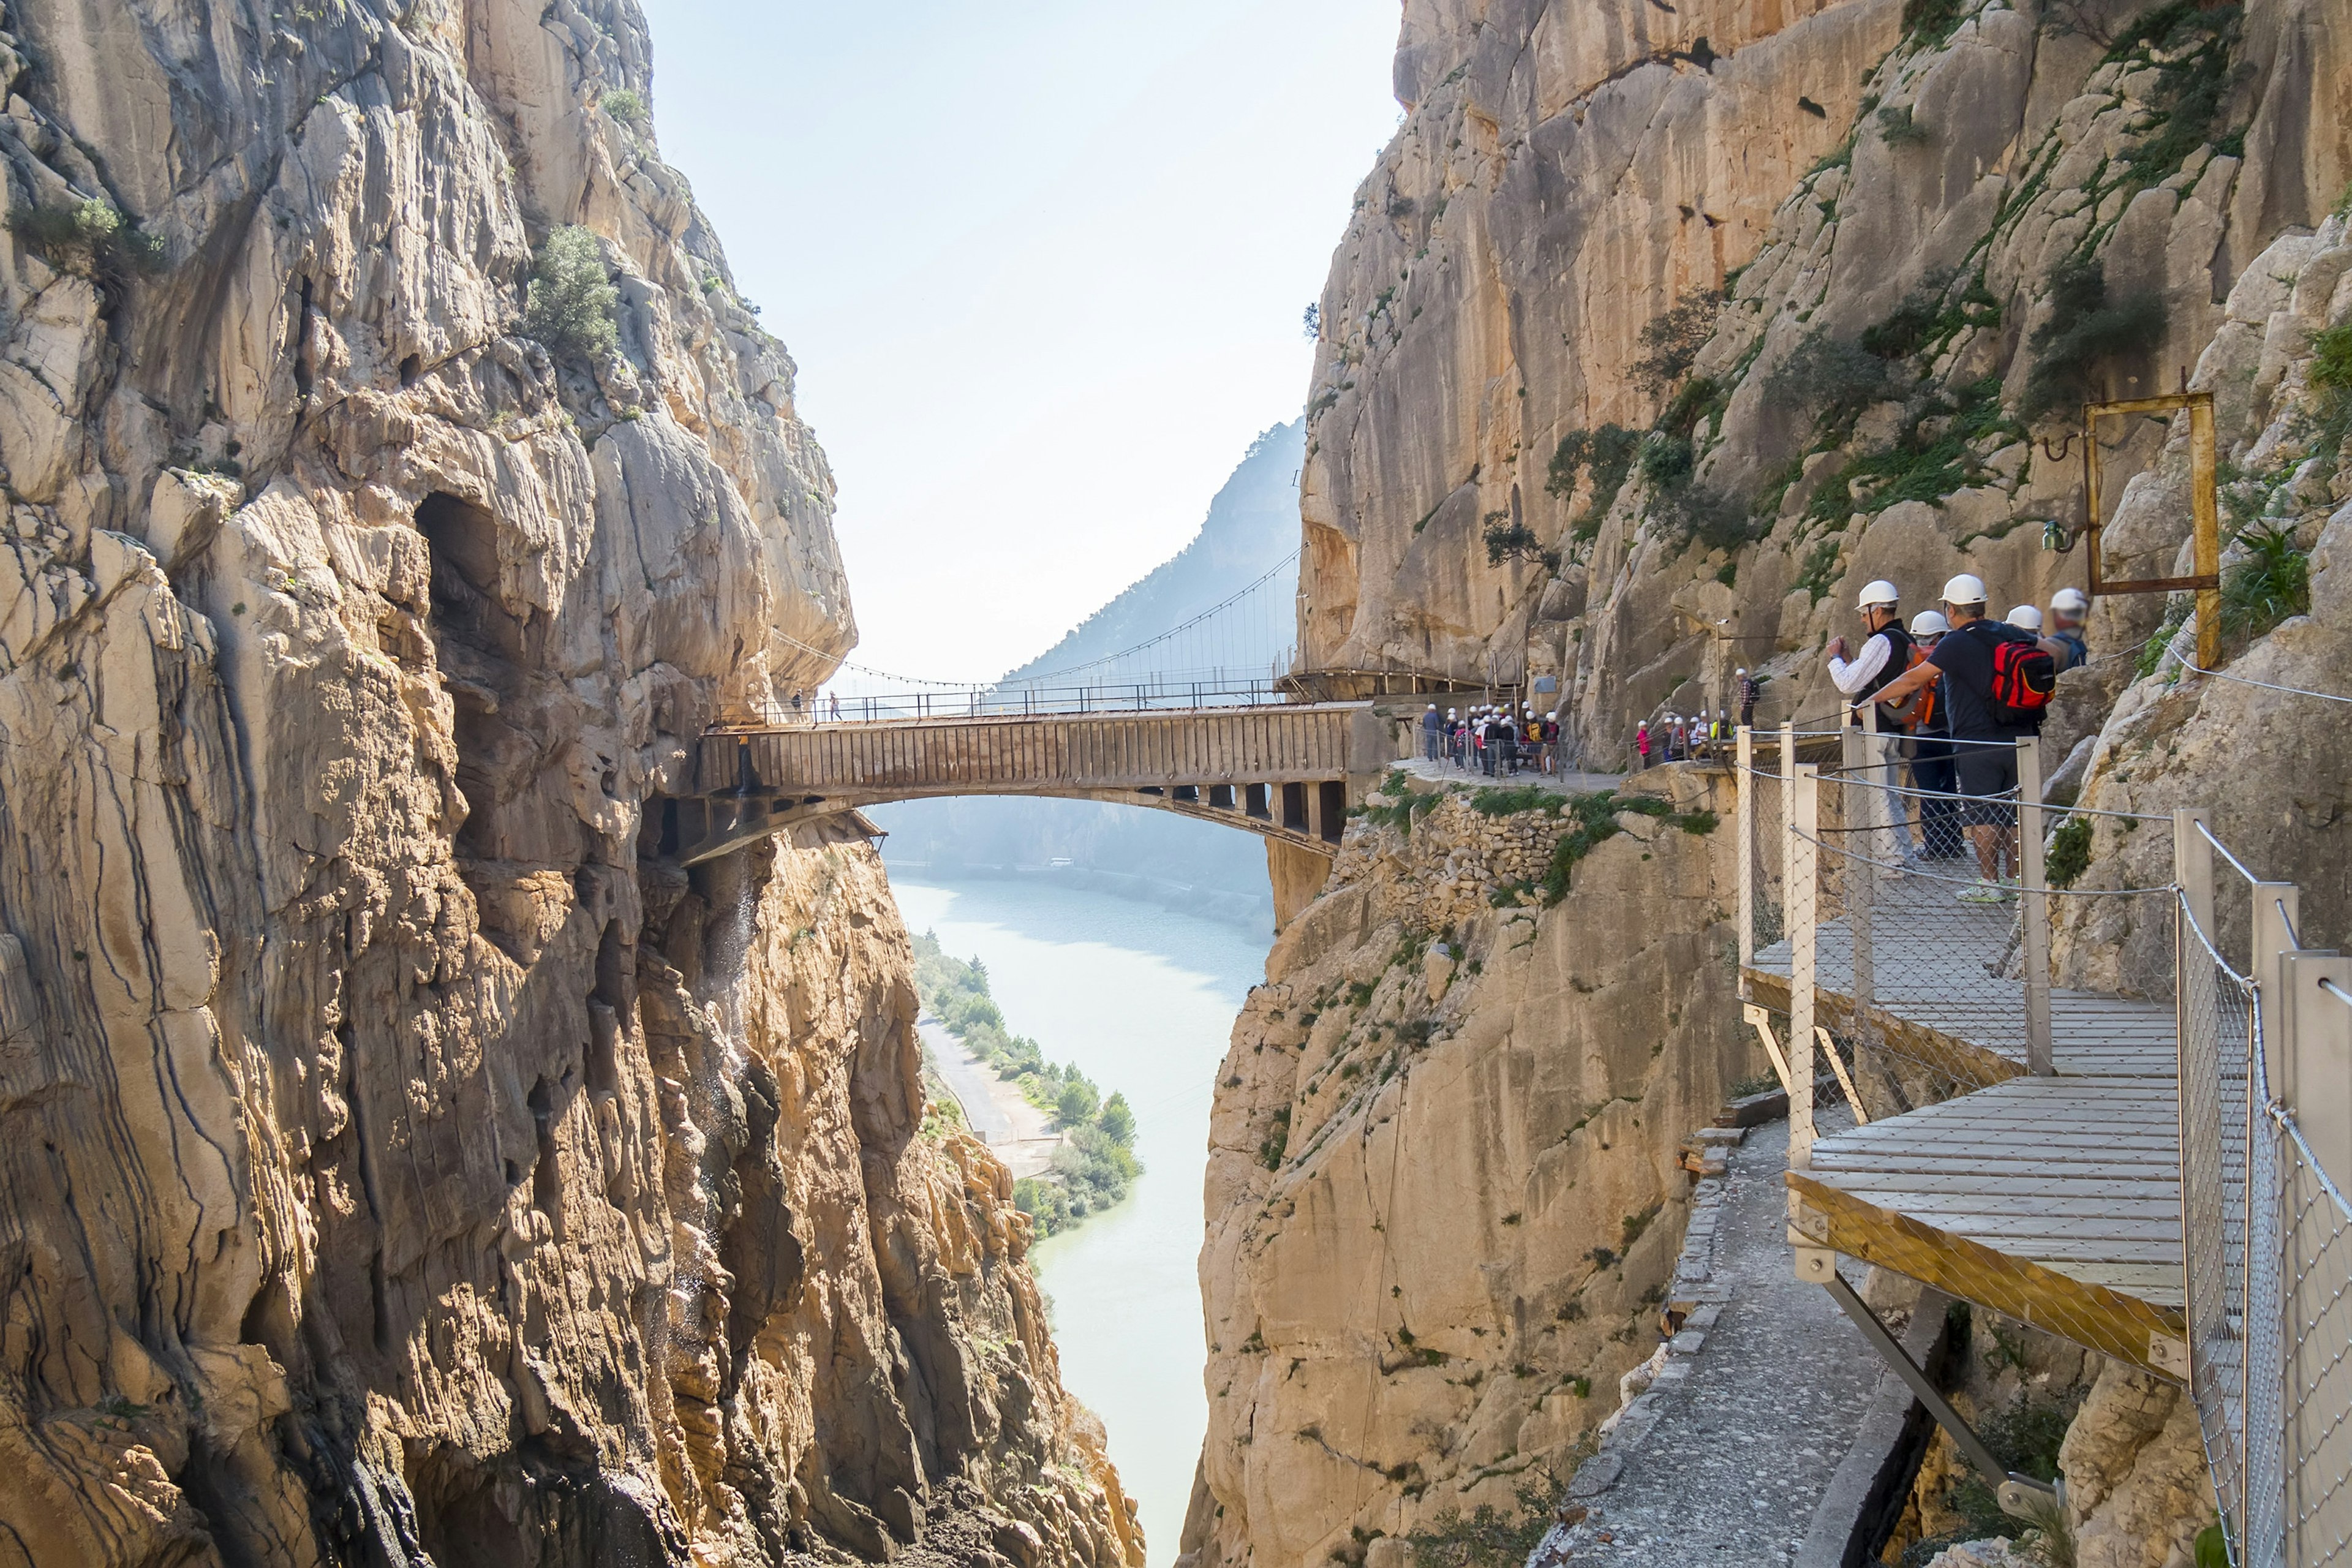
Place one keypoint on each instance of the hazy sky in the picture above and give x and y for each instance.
(1042, 266)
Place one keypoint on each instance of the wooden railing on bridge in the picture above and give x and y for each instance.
(1286, 772)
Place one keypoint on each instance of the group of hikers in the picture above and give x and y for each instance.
(1492, 739)
(1958, 689)
(1678, 740)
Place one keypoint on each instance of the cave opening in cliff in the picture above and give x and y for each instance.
(481, 646)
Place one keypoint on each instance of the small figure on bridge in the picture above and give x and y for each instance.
(1430, 726)
(1748, 694)
(836, 713)
(2065, 641)
(1641, 741)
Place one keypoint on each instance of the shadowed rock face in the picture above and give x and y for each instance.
(392, 1165)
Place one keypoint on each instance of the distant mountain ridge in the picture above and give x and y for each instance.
(1252, 525)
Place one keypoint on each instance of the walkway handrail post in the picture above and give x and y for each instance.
(2277, 910)
(2034, 907)
(1745, 829)
(1857, 877)
(2313, 1053)
(1805, 788)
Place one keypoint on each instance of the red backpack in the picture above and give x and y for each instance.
(2023, 677)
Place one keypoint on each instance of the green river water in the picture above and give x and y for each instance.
(1143, 1000)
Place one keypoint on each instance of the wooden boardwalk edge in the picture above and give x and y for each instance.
(2114, 1324)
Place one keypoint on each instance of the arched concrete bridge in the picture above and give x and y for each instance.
(1286, 771)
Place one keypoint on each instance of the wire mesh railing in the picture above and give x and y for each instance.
(1923, 971)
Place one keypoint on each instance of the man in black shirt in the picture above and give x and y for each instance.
(1984, 743)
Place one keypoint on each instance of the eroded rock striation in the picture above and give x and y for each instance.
(1443, 1197)
(396, 1164)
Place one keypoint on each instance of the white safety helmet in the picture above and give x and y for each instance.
(1964, 589)
(2071, 600)
(2025, 618)
(1930, 624)
(1878, 591)
(1432, 708)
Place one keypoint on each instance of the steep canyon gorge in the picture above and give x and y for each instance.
(404, 1163)
(399, 1165)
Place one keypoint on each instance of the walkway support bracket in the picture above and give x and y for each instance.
(2021, 1496)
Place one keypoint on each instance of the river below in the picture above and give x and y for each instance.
(1142, 999)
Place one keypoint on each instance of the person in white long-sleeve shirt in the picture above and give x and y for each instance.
(1884, 655)
(1885, 652)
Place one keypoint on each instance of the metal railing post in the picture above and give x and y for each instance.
(1803, 959)
(2313, 1053)
(2276, 909)
(2034, 910)
(1856, 876)
(1745, 830)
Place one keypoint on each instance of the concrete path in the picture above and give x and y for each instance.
(1020, 1133)
(1561, 783)
(1724, 1460)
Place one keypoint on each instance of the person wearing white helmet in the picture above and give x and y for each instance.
(1430, 726)
(1886, 649)
(1993, 697)
(1748, 694)
(1886, 653)
(2064, 641)
(1931, 753)
(2025, 618)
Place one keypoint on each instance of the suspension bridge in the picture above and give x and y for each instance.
(1205, 718)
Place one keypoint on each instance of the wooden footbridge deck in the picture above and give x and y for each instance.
(2054, 1200)
(1286, 771)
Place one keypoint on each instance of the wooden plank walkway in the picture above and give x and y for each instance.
(2055, 1201)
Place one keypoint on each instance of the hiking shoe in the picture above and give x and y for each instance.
(1980, 891)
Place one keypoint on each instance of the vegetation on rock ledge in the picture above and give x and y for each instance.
(1094, 1168)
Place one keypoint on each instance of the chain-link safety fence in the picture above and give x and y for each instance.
(1886, 930)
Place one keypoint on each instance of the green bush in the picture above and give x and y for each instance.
(1671, 341)
(627, 106)
(571, 306)
(2273, 583)
(1682, 415)
(1118, 1120)
(1897, 128)
(2192, 40)
(1078, 1102)
(2070, 852)
(1666, 458)
(2331, 359)
(1515, 542)
(1709, 518)
(2087, 328)
(1835, 378)
(88, 235)
(1607, 454)
(1931, 21)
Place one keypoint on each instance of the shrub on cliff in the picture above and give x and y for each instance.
(2089, 327)
(86, 237)
(1672, 340)
(627, 106)
(571, 306)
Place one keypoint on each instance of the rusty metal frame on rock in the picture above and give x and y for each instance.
(2203, 499)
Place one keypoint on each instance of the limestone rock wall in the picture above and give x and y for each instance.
(1566, 174)
(1444, 1201)
(395, 1167)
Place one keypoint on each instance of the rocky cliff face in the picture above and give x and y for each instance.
(396, 1167)
(1442, 1195)
(1656, 330)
